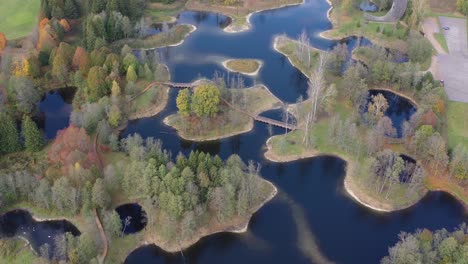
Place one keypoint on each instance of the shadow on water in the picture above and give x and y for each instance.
(132, 217)
(20, 223)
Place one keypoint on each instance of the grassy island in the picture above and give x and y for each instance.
(174, 37)
(244, 66)
(236, 107)
(240, 11)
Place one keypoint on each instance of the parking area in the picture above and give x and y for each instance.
(453, 67)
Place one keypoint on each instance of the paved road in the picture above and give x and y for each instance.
(454, 66)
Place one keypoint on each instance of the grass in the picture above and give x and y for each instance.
(18, 18)
(457, 124)
(172, 37)
(243, 65)
(14, 251)
(164, 12)
(441, 39)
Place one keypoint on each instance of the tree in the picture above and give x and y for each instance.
(9, 136)
(97, 86)
(462, 6)
(62, 57)
(112, 223)
(26, 94)
(101, 197)
(81, 60)
(183, 102)
(3, 41)
(33, 138)
(315, 89)
(459, 162)
(205, 100)
(114, 116)
(376, 108)
(131, 74)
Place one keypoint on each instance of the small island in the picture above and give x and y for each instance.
(243, 66)
(213, 112)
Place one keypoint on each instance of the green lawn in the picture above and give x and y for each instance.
(18, 17)
(457, 121)
(441, 39)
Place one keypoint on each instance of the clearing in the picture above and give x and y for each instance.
(18, 18)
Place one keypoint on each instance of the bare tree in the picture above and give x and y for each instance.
(315, 90)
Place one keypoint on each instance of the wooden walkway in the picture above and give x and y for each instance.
(263, 119)
(170, 84)
(276, 123)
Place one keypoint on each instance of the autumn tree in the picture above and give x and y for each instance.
(81, 59)
(376, 108)
(61, 61)
(183, 102)
(33, 138)
(3, 41)
(97, 85)
(205, 100)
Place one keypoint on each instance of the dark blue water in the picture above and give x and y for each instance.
(132, 217)
(54, 111)
(399, 109)
(20, 223)
(311, 207)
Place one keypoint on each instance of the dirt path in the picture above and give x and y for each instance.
(102, 257)
(430, 27)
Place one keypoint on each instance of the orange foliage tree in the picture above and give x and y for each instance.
(72, 146)
(47, 38)
(81, 60)
(3, 41)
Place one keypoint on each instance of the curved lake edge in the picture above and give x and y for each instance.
(192, 29)
(254, 73)
(349, 185)
(232, 28)
(37, 219)
(155, 109)
(398, 93)
(237, 227)
(244, 129)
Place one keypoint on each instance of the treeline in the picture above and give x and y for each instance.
(425, 246)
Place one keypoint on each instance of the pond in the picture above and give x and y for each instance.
(20, 223)
(55, 108)
(132, 217)
(311, 217)
(399, 110)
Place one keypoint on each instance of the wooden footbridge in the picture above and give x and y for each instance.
(263, 119)
(256, 117)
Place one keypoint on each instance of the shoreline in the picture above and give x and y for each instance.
(247, 127)
(255, 73)
(275, 47)
(193, 28)
(247, 25)
(236, 228)
(151, 111)
(349, 186)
